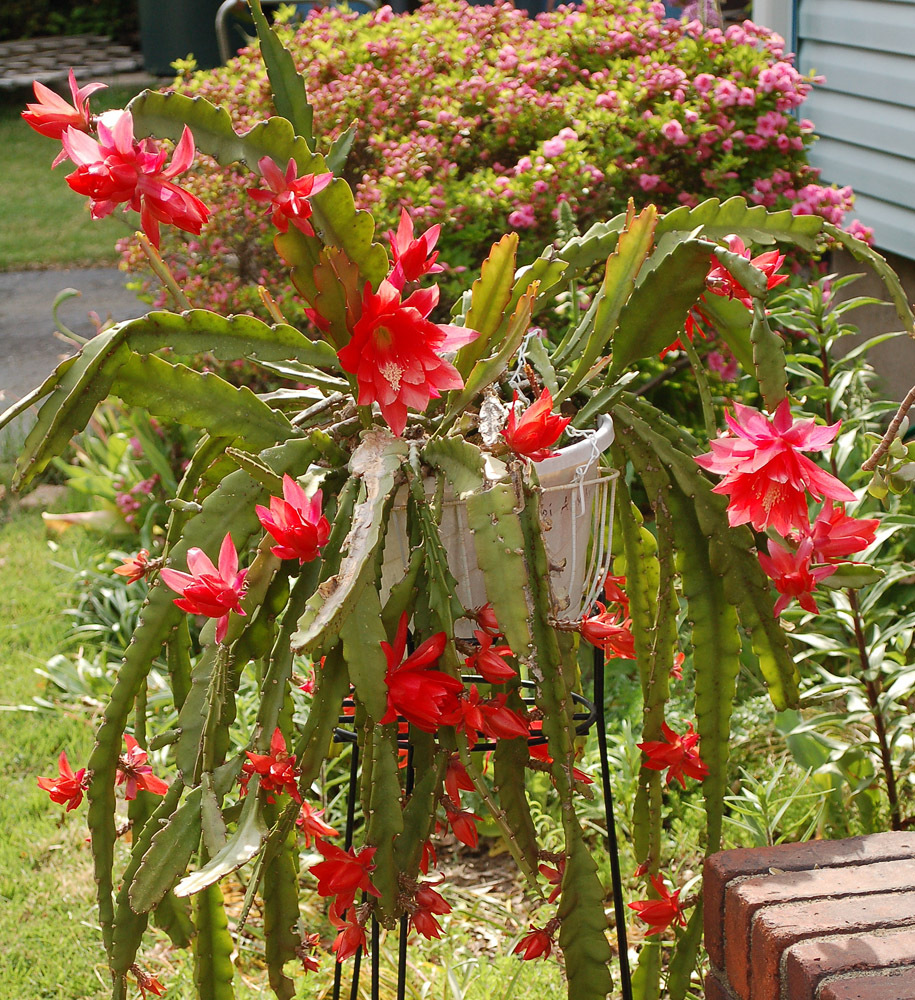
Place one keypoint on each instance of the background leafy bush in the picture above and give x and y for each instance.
(483, 120)
(30, 18)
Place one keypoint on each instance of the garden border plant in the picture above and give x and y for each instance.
(583, 107)
(304, 480)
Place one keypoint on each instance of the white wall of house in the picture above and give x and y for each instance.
(865, 111)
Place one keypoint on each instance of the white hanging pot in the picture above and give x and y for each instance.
(576, 516)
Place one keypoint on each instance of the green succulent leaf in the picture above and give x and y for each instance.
(240, 848)
(362, 634)
(655, 313)
(867, 255)
(78, 389)
(213, 947)
(499, 544)
(489, 298)
(461, 461)
(178, 393)
(685, 956)
(768, 358)
(170, 849)
(340, 150)
(200, 331)
(334, 217)
(288, 85)
(717, 220)
(486, 372)
(280, 893)
(385, 820)
(129, 925)
(623, 265)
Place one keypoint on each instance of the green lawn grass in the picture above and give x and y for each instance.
(50, 945)
(45, 223)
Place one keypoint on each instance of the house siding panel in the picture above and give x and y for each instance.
(865, 111)
(865, 24)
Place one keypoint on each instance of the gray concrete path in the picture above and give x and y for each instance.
(29, 348)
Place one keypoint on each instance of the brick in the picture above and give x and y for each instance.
(745, 899)
(889, 985)
(777, 928)
(724, 867)
(716, 988)
(808, 964)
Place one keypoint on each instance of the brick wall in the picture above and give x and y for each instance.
(827, 920)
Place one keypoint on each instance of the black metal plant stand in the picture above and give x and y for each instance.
(590, 714)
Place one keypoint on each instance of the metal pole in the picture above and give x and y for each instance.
(615, 875)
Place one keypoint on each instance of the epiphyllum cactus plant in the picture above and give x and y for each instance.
(392, 400)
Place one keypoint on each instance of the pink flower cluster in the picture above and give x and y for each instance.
(481, 118)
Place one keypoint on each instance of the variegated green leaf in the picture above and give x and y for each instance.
(376, 462)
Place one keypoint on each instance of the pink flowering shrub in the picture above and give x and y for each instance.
(483, 119)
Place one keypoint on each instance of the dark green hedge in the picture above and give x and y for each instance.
(30, 18)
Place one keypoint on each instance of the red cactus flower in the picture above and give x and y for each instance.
(473, 715)
(538, 943)
(67, 786)
(395, 353)
(344, 873)
(659, 914)
(554, 877)
(134, 569)
(310, 823)
(207, 590)
(456, 779)
(276, 769)
(309, 943)
(534, 435)
(540, 751)
(615, 591)
(488, 661)
(416, 692)
(288, 194)
(350, 939)
(52, 116)
(117, 169)
(136, 773)
(794, 574)
(295, 522)
(486, 619)
(720, 281)
(836, 535)
(463, 825)
(429, 904)
(610, 632)
(766, 476)
(147, 983)
(675, 754)
(676, 671)
(428, 857)
(413, 256)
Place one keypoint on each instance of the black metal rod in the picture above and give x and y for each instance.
(376, 961)
(615, 875)
(348, 842)
(404, 920)
(357, 966)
